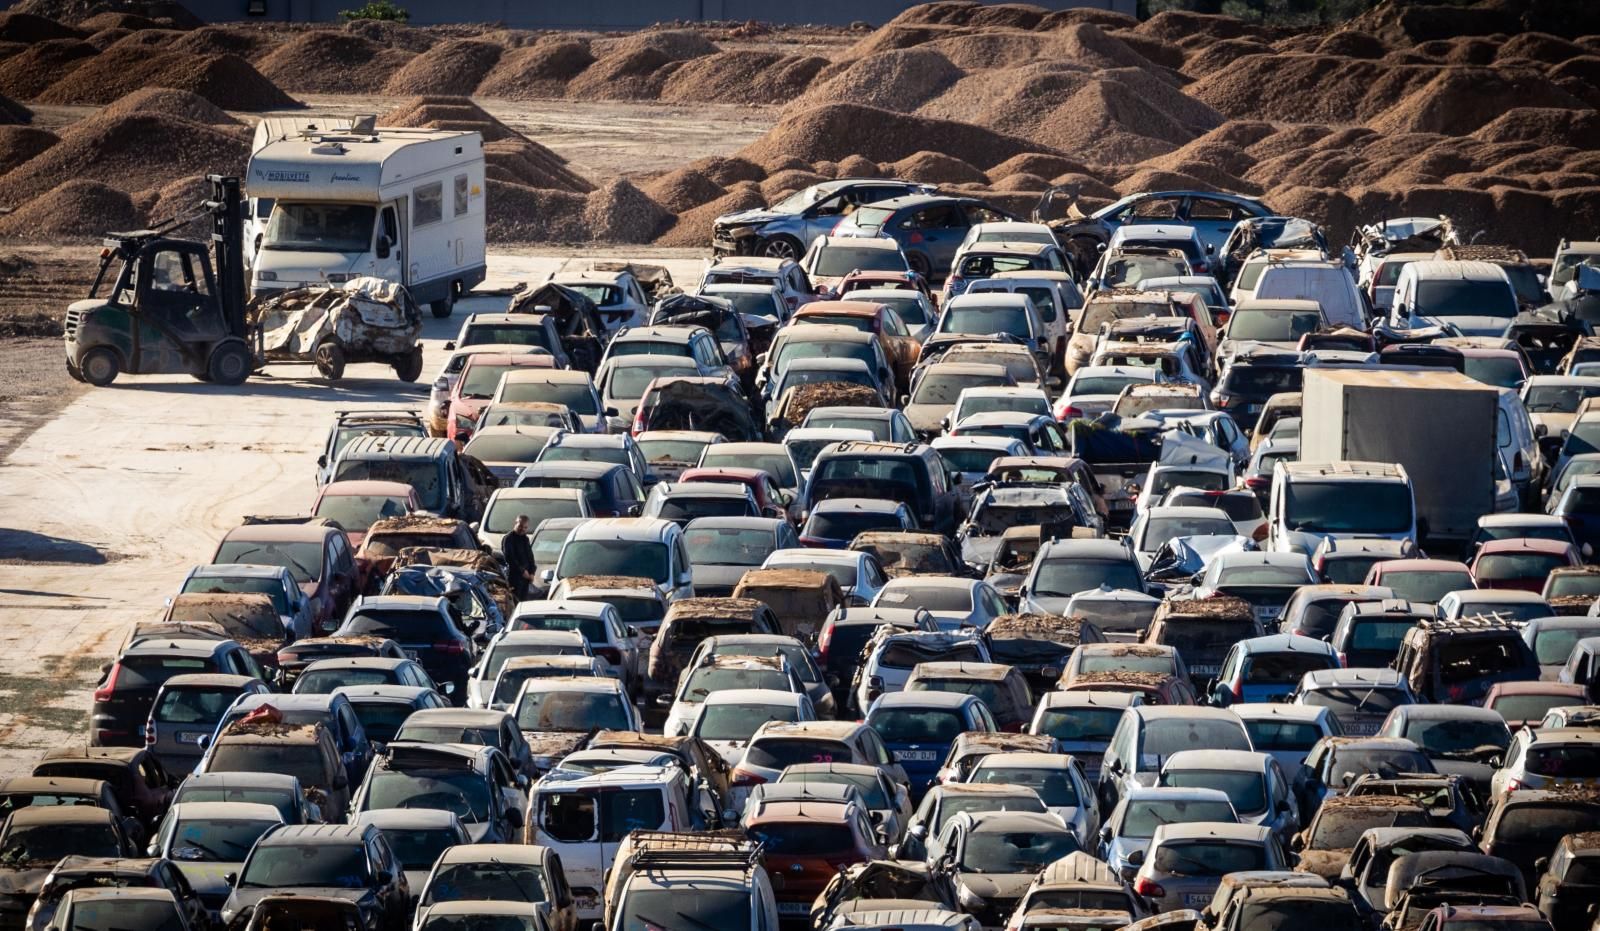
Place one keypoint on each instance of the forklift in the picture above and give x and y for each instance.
(159, 306)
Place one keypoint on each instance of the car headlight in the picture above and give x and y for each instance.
(740, 232)
(338, 277)
(968, 899)
(266, 276)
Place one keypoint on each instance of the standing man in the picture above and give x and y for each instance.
(519, 557)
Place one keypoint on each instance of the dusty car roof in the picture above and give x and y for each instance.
(1525, 545)
(280, 533)
(366, 486)
(1204, 830)
(988, 672)
(59, 814)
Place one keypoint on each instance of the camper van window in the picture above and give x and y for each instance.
(430, 203)
(461, 195)
(320, 228)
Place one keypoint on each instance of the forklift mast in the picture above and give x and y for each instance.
(226, 205)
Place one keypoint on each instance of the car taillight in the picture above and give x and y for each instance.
(1143, 886)
(105, 736)
(285, 657)
(1070, 413)
(638, 422)
(103, 693)
(150, 731)
(1260, 533)
(1258, 482)
(813, 541)
(1342, 660)
(448, 646)
(611, 655)
(1513, 785)
(744, 777)
(823, 641)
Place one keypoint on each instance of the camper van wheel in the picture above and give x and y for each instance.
(330, 360)
(444, 308)
(409, 366)
(230, 363)
(100, 367)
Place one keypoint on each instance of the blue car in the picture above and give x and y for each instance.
(1213, 215)
(1267, 669)
(784, 230)
(930, 228)
(919, 728)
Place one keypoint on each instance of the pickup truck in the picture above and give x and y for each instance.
(1119, 454)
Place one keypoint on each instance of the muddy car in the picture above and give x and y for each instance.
(250, 620)
(1038, 645)
(583, 332)
(795, 403)
(1203, 630)
(385, 539)
(691, 620)
(699, 404)
(801, 599)
(901, 880)
(141, 784)
(473, 568)
(365, 320)
(912, 552)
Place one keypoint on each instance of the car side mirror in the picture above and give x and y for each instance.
(450, 346)
(385, 877)
(548, 576)
(917, 830)
(322, 461)
(385, 244)
(1497, 761)
(1587, 551)
(1297, 843)
(1136, 858)
(1541, 865)
(474, 527)
(514, 818)
(1539, 430)
(232, 879)
(1105, 833)
(154, 850)
(905, 399)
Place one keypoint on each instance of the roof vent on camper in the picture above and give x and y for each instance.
(364, 125)
(334, 147)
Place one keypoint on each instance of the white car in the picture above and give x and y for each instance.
(857, 572)
(617, 295)
(1093, 389)
(726, 720)
(954, 603)
(717, 674)
(516, 643)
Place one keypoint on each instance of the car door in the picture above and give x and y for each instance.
(1213, 219)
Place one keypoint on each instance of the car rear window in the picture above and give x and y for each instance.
(194, 705)
(777, 753)
(1209, 858)
(141, 672)
(917, 725)
(803, 838)
(903, 655)
(400, 626)
(302, 761)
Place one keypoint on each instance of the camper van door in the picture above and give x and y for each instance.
(391, 232)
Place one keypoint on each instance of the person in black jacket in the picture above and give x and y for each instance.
(519, 557)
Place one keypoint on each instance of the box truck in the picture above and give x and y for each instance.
(401, 204)
(1436, 423)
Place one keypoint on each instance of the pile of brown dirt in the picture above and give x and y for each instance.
(17, 26)
(937, 168)
(132, 22)
(181, 104)
(77, 209)
(1352, 43)
(539, 70)
(1462, 99)
(322, 61)
(524, 161)
(742, 77)
(132, 152)
(620, 212)
(456, 66)
(164, 12)
(693, 228)
(175, 199)
(683, 189)
(392, 35)
(836, 131)
(444, 112)
(223, 40)
(226, 80)
(12, 112)
(1545, 127)
(20, 143)
(30, 72)
(901, 80)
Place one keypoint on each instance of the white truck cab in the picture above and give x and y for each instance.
(405, 205)
(1311, 502)
(1468, 298)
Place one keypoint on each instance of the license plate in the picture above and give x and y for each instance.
(1122, 504)
(1361, 729)
(585, 902)
(914, 756)
(1050, 672)
(411, 654)
(191, 737)
(1205, 670)
(1197, 899)
(1248, 409)
(1266, 614)
(794, 908)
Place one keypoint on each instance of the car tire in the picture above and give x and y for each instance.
(73, 373)
(921, 264)
(330, 360)
(100, 366)
(781, 247)
(408, 367)
(230, 363)
(444, 308)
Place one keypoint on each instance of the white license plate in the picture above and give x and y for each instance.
(794, 908)
(191, 737)
(1197, 899)
(1248, 409)
(1362, 729)
(411, 654)
(914, 756)
(1205, 670)
(1050, 672)
(585, 902)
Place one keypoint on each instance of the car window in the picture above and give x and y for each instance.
(1205, 208)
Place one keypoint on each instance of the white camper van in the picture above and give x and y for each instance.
(271, 129)
(405, 205)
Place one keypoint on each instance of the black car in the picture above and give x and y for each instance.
(79, 872)
(783, 230)
(332, 710)
(612, 488)
(326, 675)
(33, 839)
(478, 783)
(911, 473)
(343, 861)
(426, 629)
(1250, 379)
(123, 699)
(302, 653)
(383, 708)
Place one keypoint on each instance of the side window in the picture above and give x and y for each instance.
(428, 204)
(567, 816)
(460, 195)
(1204, 208)
(390, 227)
(1155, 208)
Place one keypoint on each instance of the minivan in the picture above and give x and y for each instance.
(1469, 298)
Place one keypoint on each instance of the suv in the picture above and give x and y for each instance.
(275, 582)
(306, 751)
(912, 473)
(349, 862)
(647, 547)
(349, 425)
(1368, 634)
(1148, 734)
(449, 483)
(186, 711)
(1008, 314)
(714, 881)
(317, 553)
(426, 629)
(612, 490)
(783, 230)
(476, 782)
(124, 698)
(1457, 661)
(928, 227)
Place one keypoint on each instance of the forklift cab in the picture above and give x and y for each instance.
(172, 290)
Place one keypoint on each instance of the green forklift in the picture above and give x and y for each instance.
(159, 306)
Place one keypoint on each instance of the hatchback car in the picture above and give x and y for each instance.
(1186, 862)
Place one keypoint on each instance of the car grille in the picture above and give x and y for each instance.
(69, 326)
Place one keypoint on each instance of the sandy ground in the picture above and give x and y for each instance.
(107, 504)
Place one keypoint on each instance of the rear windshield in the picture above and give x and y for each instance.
(778, 753)
(494, 880)
(1208, 858)
(1466, 660)
(1284, 668)
(1357, 700)
(147, 672)
(917, 725)
(400, 626)
(194, 705)
(269, 587)
(302, 761)
(904, 655)
(1053, 784)
(1194, 637)
(303, 560)
(1079, 723)
(572, 711)
(37, 843)
(1338, 829)
(1546, 824)
(593, 629)
(1167, 736)
(1379, 634)
(1247, 790)
(1262, 380)
(1569, 761)
(503, 512)
(1269, 735)
(837, 261)
(577, 397)
(803, 839)
(1146, 815)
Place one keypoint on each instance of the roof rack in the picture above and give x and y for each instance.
(1492, 621)
(666, 848)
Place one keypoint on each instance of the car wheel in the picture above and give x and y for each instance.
(100, 367)
(781, 247)
(330, 360)
(73, 373)
(409, 367)
(444, 308)
(920, 264)
(230, 363)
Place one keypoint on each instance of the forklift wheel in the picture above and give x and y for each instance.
(73, 373)
(330, 360)
(409, 367)
(443, 309)
(230, 363)
(100, 367)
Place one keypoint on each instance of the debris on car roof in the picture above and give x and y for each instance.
(607, 581)
(1052, 627)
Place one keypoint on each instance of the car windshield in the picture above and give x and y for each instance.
(1499, 371)
(215, 840)
(503, 511)
(422, 474)
(504, 334)
(685, 508)
(1284, 668)
(420, 849)
(556, 710)
(938, 387)
(1554, 646)
(1208, 858)
(45, 842)
(506, 447)
(289, 865)
(1427, 585)
(1078, 722)
(1543, 825)
(1165, 736)
(126, 914)
(1126, 271)
(1285, 326)
(994, 696)
(1144, 661)
(320, 227)
(1247, 790)
(1348, 507)
(984, 319)
(1009, 403)
(1460, 298)
(1145, 815)
(916, 725)
(1157, 530)
(614, 455)
(482, 378)
(672, 450)
(775, 464)
(614, 557)
(844, 525)
(728, 546)
(739, 722)
(1261, 381)
(464, 794)
(270, 587)
(800, 347)
(650, 347)
(1005, 852)
(302, 761)
(701, 910)
(777, 753)
(579, 397)
(437, 922)
(836, 261)
(1052, 783)
(627, 382)
(1267, 734)
(1107, 385)
(404, 626)
(1558, 399)
(1067, 576)
(920, 558)
(492, 880)
(303, 560)
(708, 679)
(193, 705)
(359, 512)
(1326, 915)
(1495, 567)
(1359, 700)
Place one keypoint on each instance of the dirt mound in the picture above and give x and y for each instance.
(106, 38)
(836, 131)
(1176, 25)
(132, 22)
(1352, 43)
(457, 66)
(539, 70)
(938, 168)
(392, 35)
(226, 80)
(1105, 19)
(620, 212)
(1044, 166)
(77, 209)
(1221, 54)
(1544, 126)
(742, 77)
(445, 112)
(518, 213)
(30, 72)
(116, 150)
(1162, 53)
(683, 189)
(323, 61)
(1462, 99)
(781, 184)
(165, 12)
(1541, 46)
(901, 80)
(633, 74)
(221, 40)
(12, 112)
(669, 44)
(528, 163)
(175, 199)
(26, 27)
(693, 228)
(20, 143)
(181, 104)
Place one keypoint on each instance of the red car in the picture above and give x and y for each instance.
(356, 504)
(480, 376)
(807, 842)
(1425, 580)
(1522, 564)
(1523, 704)
(759, 481)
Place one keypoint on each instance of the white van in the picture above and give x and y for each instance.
(1518, 446)
(632, 546)
(583, 817)
(1327, 283)
(1469, 298)
(405, 205)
